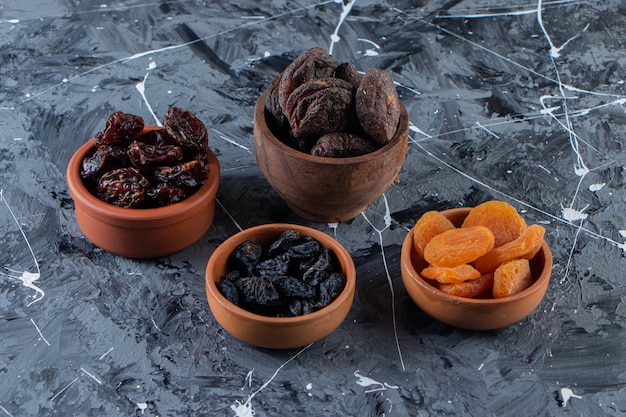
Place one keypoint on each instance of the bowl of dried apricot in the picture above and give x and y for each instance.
(329, 140)
(479, 268)
(280, 285)
(145, 191)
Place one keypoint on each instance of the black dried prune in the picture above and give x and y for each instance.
(106, 158)
(248, 254)
(188, 131)
(320, 269)
(123, 187)
(308, 249)
(330, 288)
(342, 145)
(273, 267)
(378, 105)
(291, 287)
(189, 174)
(145, 156)
(286, 240)
(228, 288)
(258, 290)
(320, 106)
(121, 128)
(165, 195)
(314, 63)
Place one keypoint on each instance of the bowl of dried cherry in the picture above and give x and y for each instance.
(145, 191)
(329, 140)
(280, 285)
(480, 268)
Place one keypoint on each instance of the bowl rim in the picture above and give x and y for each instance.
(408, 250)
(260, 122)
(105, 210)
(226, 248)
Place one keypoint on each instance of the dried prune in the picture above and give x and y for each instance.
(145, 156)
(428, 226)
(309, 248)
(458, 246)
(188, 131)
(157, 137)
(106, 158)
(378, 105)
(248, 254)
(320, 106)
(511, 278)
(342, 145)
(500, 217)
(312, 64)
(259, 290)
(188, 174)
(121, 128)
(123, 187)
(291, 287)
(165, 195)
(228, 288)
(320, 269)
(274, 267)
(286, 240)
(330, 288)
(346, 71)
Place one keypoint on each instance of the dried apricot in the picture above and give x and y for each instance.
(471, 289)
(500, 217)
(460, 273)
(458, 246)
(525, 246)
(511, 278)
(428, 226)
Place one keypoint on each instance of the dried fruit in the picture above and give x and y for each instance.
(188, 174)
(342, 145)
(500, 217)
(145, 156)
(188, 131)
(471, 289)
(346, 71)
(378, 105)
(106, 158)
(451, 275)
(428, 226)
(525, 246)
(123, 187)
(511, 278)
(458, 246)
(121, 128)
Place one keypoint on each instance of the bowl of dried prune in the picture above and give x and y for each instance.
(329, 140)
(145, 191)
(476, 268)
(280, 285)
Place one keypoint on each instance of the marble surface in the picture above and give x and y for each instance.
(522, 102)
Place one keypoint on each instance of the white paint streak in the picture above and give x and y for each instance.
(596, 187)
(567, 394)
(231, 141)
(141, 87)
(334, 38)
(572, 215)
(63, 389)
(92, 376)
(39, 331)
(6, 411)
(105, 354)
(27, 278)
(142, 407)
(365, 381)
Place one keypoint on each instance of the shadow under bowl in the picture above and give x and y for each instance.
(472, 313)
(322, 189)
(277, 332)
(142, 232)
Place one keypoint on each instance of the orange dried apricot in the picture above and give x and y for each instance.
(429, 225)
(452, 275)
(458, 246)
(525, 246)
(471, 289)
(500, 217)
(511, 278)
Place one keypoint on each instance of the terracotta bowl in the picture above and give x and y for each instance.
(277, 332)
(142, 232)
(325, 189)
(473, 313)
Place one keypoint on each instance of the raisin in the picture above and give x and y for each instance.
(469, 289)
(428, 226)
(314, 63)
(458, 246)
(511, 278)
(320, 106)
(451, 275)
(188, 131)
(123, 187)
(121, 128)
(188, 174)
(525, 246)
(378, 105)
(342, 145)
(500, 217)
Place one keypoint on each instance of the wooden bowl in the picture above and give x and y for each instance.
(277, 332)
(472, 313)
(142, 232)
(325, 189)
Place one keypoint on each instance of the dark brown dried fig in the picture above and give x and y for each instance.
(342, 145)
(378, 105)
(346, 71)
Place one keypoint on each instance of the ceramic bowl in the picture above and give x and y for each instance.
(142, 232)
(277, 332)
(473, 313)
(325, 189)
